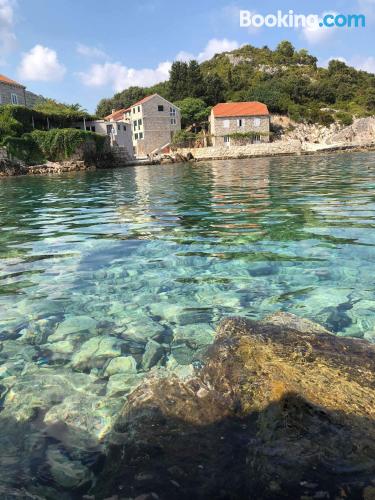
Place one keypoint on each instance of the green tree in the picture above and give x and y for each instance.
(193, 110)
(214, 90)
(195, 84)
(121, 100)
(178, 81)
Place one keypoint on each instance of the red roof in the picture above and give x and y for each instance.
(117, 115)
(240, 109)
(5, 79)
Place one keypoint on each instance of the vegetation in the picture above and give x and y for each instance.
(287, 80)
(193, 111)
(18, 120)
(53, 145)
(54, 108)
(184, 138)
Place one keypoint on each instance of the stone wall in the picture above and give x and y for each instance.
(264, 149)
(6, 91)
(225, 126)
(156, 125)
(3, 154)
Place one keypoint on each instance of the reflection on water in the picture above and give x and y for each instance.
(106, 275)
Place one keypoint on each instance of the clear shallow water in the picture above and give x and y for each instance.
(100, 265)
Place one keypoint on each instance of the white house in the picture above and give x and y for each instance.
(154, 121)
(120, 133)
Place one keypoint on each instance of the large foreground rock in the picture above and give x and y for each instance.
(282, 409)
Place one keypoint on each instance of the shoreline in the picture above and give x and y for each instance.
(13, 169)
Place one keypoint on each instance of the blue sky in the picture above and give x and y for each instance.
(83, 50)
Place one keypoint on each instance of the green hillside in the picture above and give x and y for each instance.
(288, 81)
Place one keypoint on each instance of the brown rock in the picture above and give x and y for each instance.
(288, 412)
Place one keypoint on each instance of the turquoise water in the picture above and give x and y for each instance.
(140, 264)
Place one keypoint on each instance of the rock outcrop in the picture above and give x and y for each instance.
(281, 409)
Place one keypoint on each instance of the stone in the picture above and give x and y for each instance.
(67, 473)
(196, 335)
(62, 349)
(95, 352)
(280, 409)
(73, 325)
(154, 352)
(123, 384)
(123, 364)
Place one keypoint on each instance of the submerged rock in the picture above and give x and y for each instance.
(95, 352)
(73, 325)
(123, 364)
(69, 474)
(281, 409)
(154, 352)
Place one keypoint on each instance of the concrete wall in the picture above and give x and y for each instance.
(156, 126)
(225, 126)
(264, 149)
(6, 91)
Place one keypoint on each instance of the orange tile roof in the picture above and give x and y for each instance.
(5, 79)
(240, 109)
(117, 115)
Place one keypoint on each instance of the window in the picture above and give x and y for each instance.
(141, 135)
(226, 140)
(14, 98)
(133, 111)
(136, 137)
(139, 109)
(172, 111)
(135, 124)
(124, 127)
(256, 138)
(226, 123)
(173, 121)
(256, 122)
(109, 129)
(160, 107)
(240, 122)
(118, 126)
(139, 123)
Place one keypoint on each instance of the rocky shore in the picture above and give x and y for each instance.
(280, 409)
(10, 168)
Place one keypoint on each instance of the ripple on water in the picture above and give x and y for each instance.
(106, 275)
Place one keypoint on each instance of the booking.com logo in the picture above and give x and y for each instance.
(291, 20)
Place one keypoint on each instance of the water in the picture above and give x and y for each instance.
(112, 264)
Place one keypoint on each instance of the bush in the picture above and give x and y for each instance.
(24, 148)
(345, 119)
(18, 120)
(52, 145)
(184, 138)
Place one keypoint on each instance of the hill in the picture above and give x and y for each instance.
(288, 81)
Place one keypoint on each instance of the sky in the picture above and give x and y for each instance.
(79, 51)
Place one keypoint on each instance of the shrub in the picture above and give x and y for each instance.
(24, 148)
(345, 119)
(53, 145)
(184, 138)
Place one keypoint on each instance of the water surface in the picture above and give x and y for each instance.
(160, 254)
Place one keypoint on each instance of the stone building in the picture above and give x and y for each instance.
(12, 92)
(239, 123)
(154, 121)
